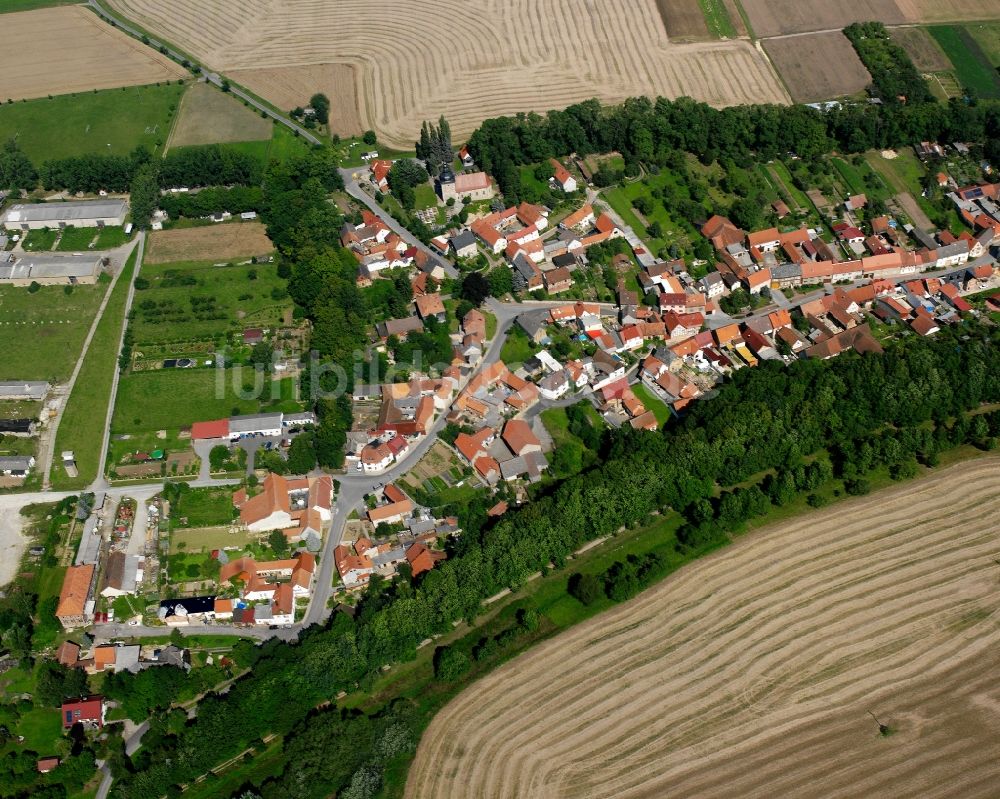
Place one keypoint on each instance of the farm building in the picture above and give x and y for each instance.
(52, 270)
(23, 390)
(87, 213)
(16, 465)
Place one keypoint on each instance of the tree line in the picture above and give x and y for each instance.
(763, 419)
(895, 79)
(650, 131)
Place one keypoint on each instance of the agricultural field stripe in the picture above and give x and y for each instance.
(972, 67)
(84, 421)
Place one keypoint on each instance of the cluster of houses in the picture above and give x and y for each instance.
(789, 259)
(377, 247)
(265, 593)
(406, 413)
(979, 207)
(509, 453)
(412, 545)
(518, 233)
(119, 657)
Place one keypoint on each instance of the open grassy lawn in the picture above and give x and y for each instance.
(112, 121)
(203, 507)
(40, 240)
(528, 179)
(517, 348)
(987, 36)
(110, 237)
(652, 403)
(76, 239)
(210, 116)
(44, 331)
(167, 399)
(424, 196)
(197, 301)
(81, 428)
(973, 67)
(204, 539)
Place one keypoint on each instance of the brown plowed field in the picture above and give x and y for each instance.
(777, 17)
(468, 59)
(218, 242)
(818, 66)
(949, 10)
(291, 87)
(683, 19)
(751, 673)
(68, 49)
(920, 46)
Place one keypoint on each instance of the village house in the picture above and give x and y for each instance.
(88, 711)
(562, 177)
(297, 506)
(76, 607)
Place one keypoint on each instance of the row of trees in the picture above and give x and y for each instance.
(763, 419)
(210, 165)
(651, 131)
(895, 79)
(236, 200)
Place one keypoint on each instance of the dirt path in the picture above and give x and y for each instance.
(751, 672)
(914, 211)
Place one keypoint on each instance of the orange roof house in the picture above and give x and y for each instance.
(518, 435)
(422, 559)
(72, 608)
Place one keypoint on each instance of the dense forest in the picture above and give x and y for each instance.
(894, 408)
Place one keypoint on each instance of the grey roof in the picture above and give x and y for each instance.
(385, 558)
(924, 238)
(523, 265)
(45, 265)
(555, 380)
(786, 271)
(15, 463)
(65, 212)
(263, 613)
(533, 321)
(127, 658)
(399, 327)
(949, 250)
(253, 422)
(463, 240)
(23, 390)
(711, 279)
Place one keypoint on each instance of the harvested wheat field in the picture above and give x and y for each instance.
(818, 66)
(218, 242)
(779, 17)
(751, 673)
(291, 87)
(209, 116)
(490, 58)
(68, 49)
(949, 10)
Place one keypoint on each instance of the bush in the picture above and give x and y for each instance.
(584, 587)
(857, 487)
(450, 664)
